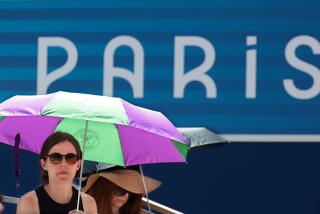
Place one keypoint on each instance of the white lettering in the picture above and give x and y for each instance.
(251, 68)
(181, 79)
(135, 78)
(303, 66)
(44, 78)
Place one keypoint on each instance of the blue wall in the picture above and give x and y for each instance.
(227, 178)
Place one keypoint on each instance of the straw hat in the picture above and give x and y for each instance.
(127, 179)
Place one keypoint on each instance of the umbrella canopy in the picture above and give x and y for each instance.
(198, 137)
(117, 132)
(201, 136)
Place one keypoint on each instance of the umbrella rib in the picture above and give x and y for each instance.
(145, 187)
(82, 161)
(124, 162)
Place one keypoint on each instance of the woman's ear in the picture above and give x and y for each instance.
(43, 164)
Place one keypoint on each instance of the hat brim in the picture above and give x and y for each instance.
(127, 179)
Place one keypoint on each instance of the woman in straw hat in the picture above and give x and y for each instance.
(119, 191)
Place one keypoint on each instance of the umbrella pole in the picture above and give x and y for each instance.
(145, 188)
(82, 162)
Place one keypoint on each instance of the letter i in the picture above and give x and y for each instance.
(251, 68)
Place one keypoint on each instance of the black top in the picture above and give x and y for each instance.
(48, 205)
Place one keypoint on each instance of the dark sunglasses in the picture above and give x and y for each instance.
(118, 191)
(70, 158)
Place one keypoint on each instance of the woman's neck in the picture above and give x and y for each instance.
(115, 210)
(60, 193)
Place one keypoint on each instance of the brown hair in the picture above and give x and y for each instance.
(102, 191)
(52, 140)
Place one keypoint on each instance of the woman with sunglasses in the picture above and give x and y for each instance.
(60, 160)
(119, 191)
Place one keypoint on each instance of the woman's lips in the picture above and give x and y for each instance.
(62, 173)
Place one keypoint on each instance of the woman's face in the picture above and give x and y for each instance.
(119, 198)
(62, 163)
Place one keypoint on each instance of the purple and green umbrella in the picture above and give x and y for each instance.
(116, 131)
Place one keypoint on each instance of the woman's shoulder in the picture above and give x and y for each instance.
(28, 201)
(87, 197)
(30, 197)
(89, 203)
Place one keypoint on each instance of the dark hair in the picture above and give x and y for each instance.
(52, 140)
(102, 191)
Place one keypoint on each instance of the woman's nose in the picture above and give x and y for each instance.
(63, 163)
